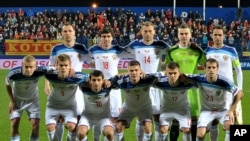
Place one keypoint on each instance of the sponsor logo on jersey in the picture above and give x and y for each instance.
(114, 57)
(191, 53)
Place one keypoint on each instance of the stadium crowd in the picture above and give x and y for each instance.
(47, 25)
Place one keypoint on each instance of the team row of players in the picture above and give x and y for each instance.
(137, 102)
(148, 52)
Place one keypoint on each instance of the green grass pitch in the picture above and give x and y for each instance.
(25, 128)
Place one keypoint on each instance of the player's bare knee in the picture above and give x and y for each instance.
(147, 127)
(200, 135)
(35, 123)
(109, 132)
(71, 126)
(185, 130)
(82, 131)
(51, 127)
(201, 132)
(164, 129)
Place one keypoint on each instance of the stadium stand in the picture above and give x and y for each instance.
(46, 25)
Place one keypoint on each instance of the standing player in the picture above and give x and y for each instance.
(213, 90)
(22, 88)
(106, 58)
(149, 53)
(137, 102)
(78, 55)
(188, 56)
(175, 101)
(61, 99)
(228, 60)
(97, 103)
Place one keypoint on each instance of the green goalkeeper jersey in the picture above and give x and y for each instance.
(188, 58)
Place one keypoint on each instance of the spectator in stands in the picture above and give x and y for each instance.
(123, 17)
(2, 22)
(1, 39)
(142, 17)
(169, 14)
(59, 14)
(230, 40)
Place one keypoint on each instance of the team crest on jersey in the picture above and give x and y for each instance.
(98, 97)
(114, 57)
(209, 91)
(225, 57)
(174, 93)
(190, 53)
(218, 93)
(27, 83)
(183, 53)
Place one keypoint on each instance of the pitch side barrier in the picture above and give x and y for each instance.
(8, 62)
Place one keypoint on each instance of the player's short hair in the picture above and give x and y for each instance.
(134, 63)
(68, 24)
(96, 73)
(184, 25)
(218, 27)
(147, 23)
(29, 59)
(173, 65)
(63, 57)
(106, 30)
(212, 60)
